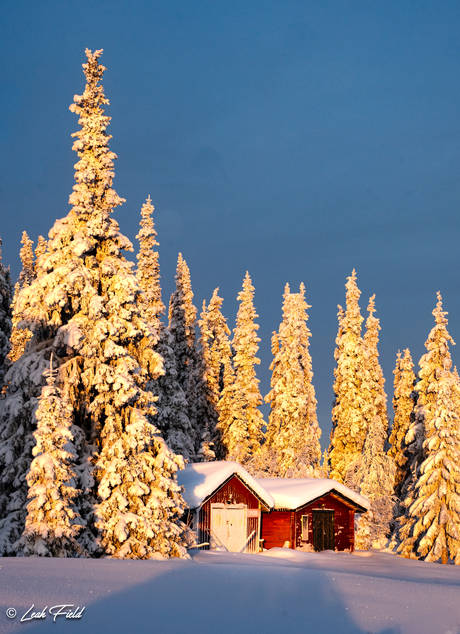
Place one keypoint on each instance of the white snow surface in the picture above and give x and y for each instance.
(294, 493)
(279, 592)
(201, 479)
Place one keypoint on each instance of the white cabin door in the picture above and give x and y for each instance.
(228, 526)
(218, 526)
(236, 528)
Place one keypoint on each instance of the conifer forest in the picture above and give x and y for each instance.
(108, 389)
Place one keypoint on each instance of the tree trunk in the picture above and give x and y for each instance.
(444, 556)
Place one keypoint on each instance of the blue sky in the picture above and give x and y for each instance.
(295, 140)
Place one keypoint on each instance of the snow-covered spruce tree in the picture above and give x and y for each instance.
(293, 431)
(456, 378)
(182, 322)
(374, 479)
(433, 530)
(27, 275)
(354, 406)
(245, 347)
(227, 413)
(6, 292)
(182, 326)
(404, 400)
(53, 521)
(242, 437)
(22, 386)
(373, 472)
(20, 336)
(171, 416)
(139, 502)
(39, 252)
(17, 423)
(371, 340)
(403, 406)
(148, 269)
(85, 307)
(414, 452)
(207, 413)
(216, 356)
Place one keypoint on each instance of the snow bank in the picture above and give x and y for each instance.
(224, 593)
(294, 493)
(201, 479)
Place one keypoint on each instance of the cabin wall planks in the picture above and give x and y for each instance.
(279, 526)
(276, 528)
(232, 492)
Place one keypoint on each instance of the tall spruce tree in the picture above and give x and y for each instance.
(182, 326)
(39, 251)
(374, 471)
(242, 437)
(374, 475)
(22, 387)
(293, 432)
(27, 275)
(367, 469)
(432, 527)
(404, 401)
(148, 269)
(20, 336)
(216, 356)
(403, 406)
(171, 406)
(85, 308)
(371, 340)
(227, 412)
(171, 416)
(354, 407)
(414, 452)
(53, 520)
(6, 292)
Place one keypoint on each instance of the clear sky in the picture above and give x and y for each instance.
(293, 139)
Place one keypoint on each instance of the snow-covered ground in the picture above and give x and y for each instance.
(219, 593)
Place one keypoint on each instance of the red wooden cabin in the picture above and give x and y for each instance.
(230, 510)
(311, 514)
(225, 504)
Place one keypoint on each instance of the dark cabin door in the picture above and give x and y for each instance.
(323, 530)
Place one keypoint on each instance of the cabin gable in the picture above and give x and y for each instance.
(343, 522)
(297, 526)
(233, 494)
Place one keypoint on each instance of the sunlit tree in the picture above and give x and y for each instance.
(85, 309)
(293, 432)
(431, 530)
(354, 406)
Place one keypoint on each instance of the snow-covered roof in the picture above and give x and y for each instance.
(292, 493)
(202, 479)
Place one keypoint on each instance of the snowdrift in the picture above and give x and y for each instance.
(227, 593)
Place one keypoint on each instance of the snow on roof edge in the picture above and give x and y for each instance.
(201, 479)
(292, 493)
